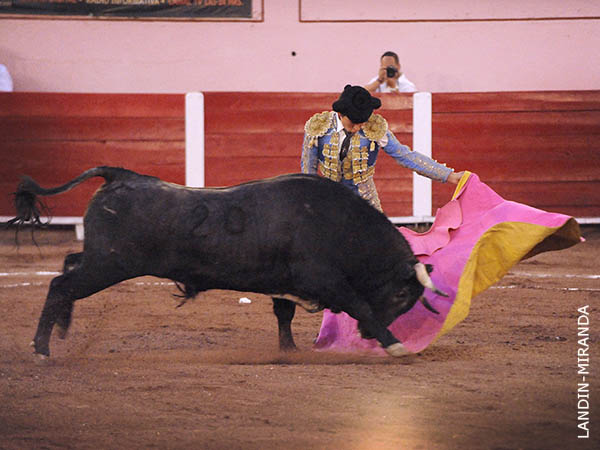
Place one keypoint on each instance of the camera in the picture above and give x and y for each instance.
(391, 71)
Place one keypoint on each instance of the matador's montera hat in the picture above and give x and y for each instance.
(356, 103)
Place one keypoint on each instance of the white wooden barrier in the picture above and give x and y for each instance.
(64, 220)
(422, 193)
(194, 139)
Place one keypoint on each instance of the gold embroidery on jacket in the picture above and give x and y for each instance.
(314, 128)
(375, 128)
(318, 124)
(429, 168)
(308, 165)
(356, 165)
(368, 191)
(330, 167)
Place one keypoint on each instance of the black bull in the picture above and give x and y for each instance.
(298, 238)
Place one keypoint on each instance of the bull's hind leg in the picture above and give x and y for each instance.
(64, 290)
(63, 321)
(284, 310)
(72, 260)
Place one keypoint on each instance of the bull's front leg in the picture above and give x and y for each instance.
(371, 327)
(284, 310)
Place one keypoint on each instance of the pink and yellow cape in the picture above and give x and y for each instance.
(474, 241)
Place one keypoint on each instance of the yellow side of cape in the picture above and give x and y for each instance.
(497, 251)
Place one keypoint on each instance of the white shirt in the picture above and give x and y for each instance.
(404, 85)
(342, 133)
(6, 83)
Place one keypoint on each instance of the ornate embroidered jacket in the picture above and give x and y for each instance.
(321, 153)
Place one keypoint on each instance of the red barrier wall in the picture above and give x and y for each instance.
(55, 137)
(539, 148)
(257, 135)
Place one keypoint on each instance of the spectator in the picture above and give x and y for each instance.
(390, 78)
(6, 83)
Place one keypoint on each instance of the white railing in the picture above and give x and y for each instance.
(194, 139)
(421, 196)
(64, 220)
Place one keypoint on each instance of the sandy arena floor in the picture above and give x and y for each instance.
(136, 372)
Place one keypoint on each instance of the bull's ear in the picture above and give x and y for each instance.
(429, 268)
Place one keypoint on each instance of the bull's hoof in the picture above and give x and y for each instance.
(41, 360)
(289, 350)
(396, 349)
(363, 334)
(39, 356)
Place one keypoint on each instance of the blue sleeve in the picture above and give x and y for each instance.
(309, 159)
(416, 161)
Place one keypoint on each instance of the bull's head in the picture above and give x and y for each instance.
(406, 297)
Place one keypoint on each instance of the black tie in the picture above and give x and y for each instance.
(345, 146)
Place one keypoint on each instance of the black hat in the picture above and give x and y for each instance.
(356, 103)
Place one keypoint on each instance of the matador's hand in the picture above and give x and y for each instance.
(455, 177)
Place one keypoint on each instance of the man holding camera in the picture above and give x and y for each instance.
(390, 78)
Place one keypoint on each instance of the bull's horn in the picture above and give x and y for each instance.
(425, 279)
(428, 305)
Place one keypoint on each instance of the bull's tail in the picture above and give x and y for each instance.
(29, 207)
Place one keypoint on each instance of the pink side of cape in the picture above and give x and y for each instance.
(447, 245)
